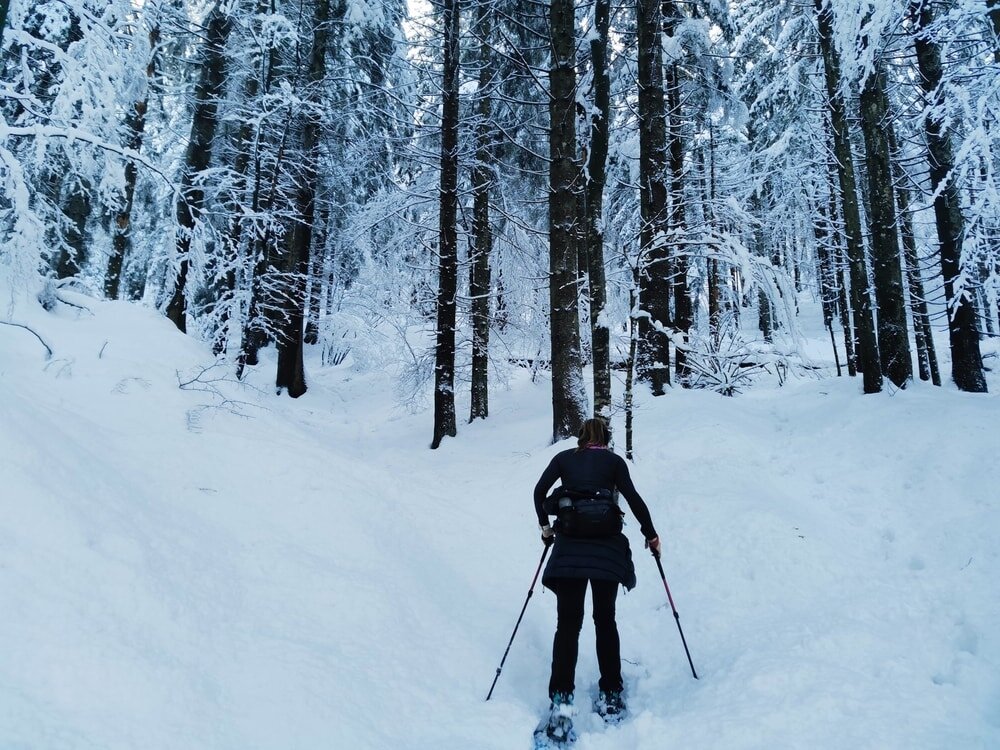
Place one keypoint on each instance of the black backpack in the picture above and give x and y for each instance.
(585, 514)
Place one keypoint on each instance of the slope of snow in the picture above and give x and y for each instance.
(179, 572)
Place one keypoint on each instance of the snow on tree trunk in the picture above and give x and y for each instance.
(683, 313)
(290, 371)
(864, 324)
(893, 338)
(653, 356)
(594, 230)
(966, 359)
(135, 125)
(569, 400)
(444, 354)
(204, 124)
(482, 180)
(923, 335)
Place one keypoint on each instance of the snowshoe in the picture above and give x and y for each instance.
(556, 730)
(610, 705)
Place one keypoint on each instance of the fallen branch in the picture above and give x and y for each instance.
(207, 382)
(34, 333)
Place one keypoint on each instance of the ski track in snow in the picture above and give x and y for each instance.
(311, 575)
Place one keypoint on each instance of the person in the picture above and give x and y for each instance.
(590, 469)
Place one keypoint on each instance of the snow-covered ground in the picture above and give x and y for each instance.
(177, 573)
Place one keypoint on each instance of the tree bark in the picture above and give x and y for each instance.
(135, 126)
(926, 354)
(76, 207)
(630, 375)
(715, 280)
(444, 355)
(291, 370)
(825, 272)
(198, 156)
(838, 261)
(653, 356)
(569, 400)
(683, 313)
(594, 232)
(993, 11)
(893, 337)
(4, 8)
(966, 359)
(864, 325)
(482, 181)
(254, 334)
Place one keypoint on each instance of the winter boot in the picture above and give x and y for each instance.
(610, 704)
(556, 731)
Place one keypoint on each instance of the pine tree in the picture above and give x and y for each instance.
(204, 125)
(482, 181)
(864, 324)
(444, 356)
(290, 372)
(594, 200)
(653, 354)
(893, 339)
(569, 402)
(966, 359)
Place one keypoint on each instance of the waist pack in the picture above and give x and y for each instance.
(584, 514)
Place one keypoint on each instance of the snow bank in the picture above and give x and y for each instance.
(214, 567)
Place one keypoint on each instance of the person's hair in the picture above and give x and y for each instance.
(594, 432)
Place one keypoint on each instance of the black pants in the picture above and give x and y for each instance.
(570, 595)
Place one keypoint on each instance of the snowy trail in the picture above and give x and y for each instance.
(314, 576)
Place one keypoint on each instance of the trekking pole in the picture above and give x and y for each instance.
(518, 623)
(677, 617)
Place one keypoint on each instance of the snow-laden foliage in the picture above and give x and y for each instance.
(67, 68)
(99, 99)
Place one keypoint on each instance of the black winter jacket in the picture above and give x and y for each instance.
(608, 559)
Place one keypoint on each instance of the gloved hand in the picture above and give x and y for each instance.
(548, 535)
(654, 546)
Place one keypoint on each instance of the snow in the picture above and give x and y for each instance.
(301, 574)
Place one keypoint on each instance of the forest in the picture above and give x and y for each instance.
(645, 191)
(304, 304)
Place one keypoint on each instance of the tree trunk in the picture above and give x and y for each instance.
(993, 11)
(204, 124)
(966, 359)
(893, 337)
(76, 207)
(317, 278)
(135, 125)
(596, 174)
(569, 399)
(715, 280)
(926, 354)
(682, 318)
(254, 335)
(825, 271)
(864, 325)
(653, 358)
(482, 180)
(4, 8)
(444, 356)
(291, 371)
(630, 371)
(838, 262)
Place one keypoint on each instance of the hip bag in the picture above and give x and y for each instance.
(588, 514)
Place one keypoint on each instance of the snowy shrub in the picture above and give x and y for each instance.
(338, 334)
(723, 364)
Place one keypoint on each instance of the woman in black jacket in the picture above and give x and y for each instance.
(606, 562)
